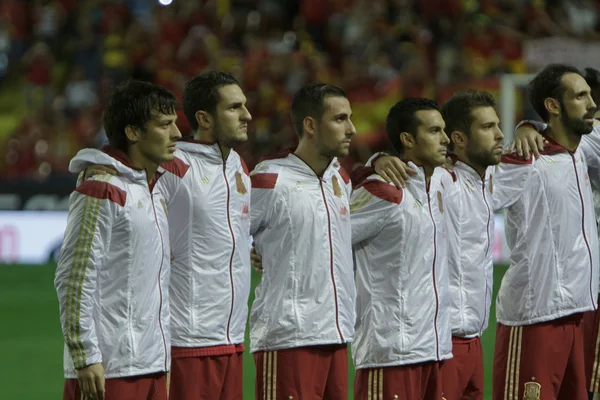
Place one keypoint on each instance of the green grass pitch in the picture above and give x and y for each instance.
(31, 339)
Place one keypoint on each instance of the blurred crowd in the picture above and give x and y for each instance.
(70, 53)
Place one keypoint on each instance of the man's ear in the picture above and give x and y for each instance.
(552, 105)
(203, 119)
(407, 140)
(132, 133)
(458, 138)
(309, 126)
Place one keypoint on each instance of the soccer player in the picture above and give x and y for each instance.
(476, 142)
(303, 315)
(526, 138)
(208, 198)
(210, 227)
(112, 277)
(552, 235)
(403, 300)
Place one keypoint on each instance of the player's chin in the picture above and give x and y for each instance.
(239, 139)
(343, 152)
(440, 160)
(494, 158)
(168, 156)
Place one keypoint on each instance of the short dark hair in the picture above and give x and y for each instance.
(592, 77)
(457, 111)
(132, 104)
(402, 117)
(548, 83)
(309, 101)
(202, 93)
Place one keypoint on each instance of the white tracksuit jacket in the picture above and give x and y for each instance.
(112, 277)
(590, 147)
(301, 226)
(209, 223)
(403, 299)
(470, 226)
(552, 236)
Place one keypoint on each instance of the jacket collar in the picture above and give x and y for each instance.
(301, 165)
(467, 169)
(110, 157)
(209, 150)
(418, 182)
(552, 147)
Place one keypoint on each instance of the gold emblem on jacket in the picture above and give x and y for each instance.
(532, 391)
(239, 183)
(337, 189)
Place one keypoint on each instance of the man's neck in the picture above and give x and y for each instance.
(480, 169)
(208, 137)
(140, 162)
(307, 152)
(557, 132)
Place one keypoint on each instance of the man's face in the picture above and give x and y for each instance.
(231, 117)
(431, 142)
(577, 108)
(335, 129)
(157, 142)
(484, 142)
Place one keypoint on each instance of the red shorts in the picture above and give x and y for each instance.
(314, 372)
(207, 377)
(540, 361)
(462, 375)
(415, 382)
(143, 387)
(591, 336)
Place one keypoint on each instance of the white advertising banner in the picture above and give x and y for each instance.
(31, 237)
(35, 237)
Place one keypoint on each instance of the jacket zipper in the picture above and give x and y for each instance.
(437, 300)
(487, 231)
(162, 333)
(337, 321)
(583, 229)
(232, 251)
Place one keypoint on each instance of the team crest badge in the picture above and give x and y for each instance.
(239, 183)
(532, 391)
(337, 189)
(440, 202)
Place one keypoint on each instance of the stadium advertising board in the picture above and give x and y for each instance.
(35, 237)
(31, 237)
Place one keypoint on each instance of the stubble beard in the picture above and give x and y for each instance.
(577, 126)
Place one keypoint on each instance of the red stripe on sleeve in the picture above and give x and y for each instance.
(263, 181)
(103, 190)
(176, 167)
(514, 158)
(383, 190)
(360, 174)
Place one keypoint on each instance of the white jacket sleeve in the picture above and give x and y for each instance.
(371, 206)
(509, 179)
(86, 240)
(263, 200)
(590, 147)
